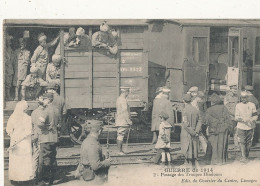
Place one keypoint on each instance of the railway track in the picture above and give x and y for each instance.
(137, 154)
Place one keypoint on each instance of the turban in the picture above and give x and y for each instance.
(193, 89)
(244, 94)
(42, 37)
(165, 89)
(104, 27)
(34, 69)
(80, 32)
(56, 58)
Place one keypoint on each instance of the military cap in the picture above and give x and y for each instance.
(125, 89)
(249, 88)
(193, 89)
(164, 115)
(187, 97)
(93, 124)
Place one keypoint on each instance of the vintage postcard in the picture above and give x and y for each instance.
(130, 93)
(131, 101)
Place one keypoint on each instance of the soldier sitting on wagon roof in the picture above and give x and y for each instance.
(32, 85)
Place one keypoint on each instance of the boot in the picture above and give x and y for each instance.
(16, 93)
(243, 153)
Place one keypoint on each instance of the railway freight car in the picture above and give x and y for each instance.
(214, 55)
(91, 79)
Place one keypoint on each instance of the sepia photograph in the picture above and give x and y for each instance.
(131, 102)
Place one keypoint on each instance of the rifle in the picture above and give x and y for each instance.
(11, 147)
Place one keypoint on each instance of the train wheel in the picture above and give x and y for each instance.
(76, 133)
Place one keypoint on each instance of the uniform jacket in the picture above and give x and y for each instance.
(21, 62)
(52, 73)
(49, 125)
(92, 162)
(123, 114)
(36, 115)
(31, 81)
(218, 119)
(159, 105)
(191, 126)
(59, 102)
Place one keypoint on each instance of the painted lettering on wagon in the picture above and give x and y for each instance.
(131, 69)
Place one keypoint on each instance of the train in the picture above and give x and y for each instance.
(151, 53)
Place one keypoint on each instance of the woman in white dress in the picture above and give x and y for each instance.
(19, 128)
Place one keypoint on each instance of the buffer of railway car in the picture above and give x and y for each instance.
(152, 53)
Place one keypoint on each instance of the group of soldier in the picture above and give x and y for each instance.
(206, 128)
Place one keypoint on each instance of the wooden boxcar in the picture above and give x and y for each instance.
(91, 80)
(190, 50)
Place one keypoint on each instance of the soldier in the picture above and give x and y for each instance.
(34, 83)
(251, 98)
(59, 102)
(83, 41)
(37, 119)
(9, 66)
(123, 117)
(22, 60)
(93, 164)
(48, 139)
(246, 116)
(53, 70)
(161, 103)
(41, 56)
(190, 132)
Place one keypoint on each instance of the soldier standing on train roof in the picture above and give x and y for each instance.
(41, 56)
(9, 66)
(93, 166)
(123, 117)
(21, 60)
(246, 116)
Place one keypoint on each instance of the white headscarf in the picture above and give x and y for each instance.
(16, 117)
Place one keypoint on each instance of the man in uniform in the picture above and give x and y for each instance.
(59, 102)
(93, 164)
(251, 98)
(53, 70)
(9, 66)
(21, 60)
(48, 139)
(246, 116)
(123, 117)
(37, 118)
(34, 83)
(190, 132)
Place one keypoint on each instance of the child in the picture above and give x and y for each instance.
(164, 140)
